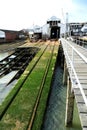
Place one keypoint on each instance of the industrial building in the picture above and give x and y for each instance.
(50, 30)
(11, 35)
(54, 27)
(75, 29)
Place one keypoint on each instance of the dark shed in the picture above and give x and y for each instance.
(54, 25)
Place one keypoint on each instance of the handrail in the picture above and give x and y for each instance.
(72, 66)
(81, 55)
(80, 42)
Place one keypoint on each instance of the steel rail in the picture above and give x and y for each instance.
(29, 127)
(22, 82)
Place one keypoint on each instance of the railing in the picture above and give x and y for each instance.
(79, 41)
(70, 63)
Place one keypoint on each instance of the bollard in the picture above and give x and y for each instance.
(69, 104)
(65, 73)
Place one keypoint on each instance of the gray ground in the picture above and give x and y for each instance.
(4, 47)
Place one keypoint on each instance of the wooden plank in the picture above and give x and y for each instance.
(82, 74)
(77, 66)
(84, 128)
(80, 70)
(83, 81)
(83, 118)
(79, 99)
(77, 91)
(82, 67)
(80, 77)
(80, 64)
(82, 108)
(84, 86)
(85, 91)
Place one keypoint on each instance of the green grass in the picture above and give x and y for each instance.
(44, 97)
(19, 112)
(19, 83)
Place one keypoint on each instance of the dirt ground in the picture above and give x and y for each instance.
(5, 47)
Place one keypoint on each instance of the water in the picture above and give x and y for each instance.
(4, 88)
(3, 55)
(55, 115)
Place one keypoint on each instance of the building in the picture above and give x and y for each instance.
(75, 29)
(84, 28)
(35, 33)
(50, 30)
(54, 27)
(10, 35)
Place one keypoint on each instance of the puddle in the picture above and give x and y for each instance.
(3, 55)
(12, 69)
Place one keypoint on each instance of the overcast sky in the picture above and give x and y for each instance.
(19, 14)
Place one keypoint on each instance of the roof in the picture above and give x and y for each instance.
(84, 28)
(53, 18)
(4, 30)
(36, 29)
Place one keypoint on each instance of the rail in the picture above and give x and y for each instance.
(29, 127)
(21, 84)
(78, 40)
(70, 60)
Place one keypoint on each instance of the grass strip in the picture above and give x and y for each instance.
(19, 112)
(38, 121)
(40, 91)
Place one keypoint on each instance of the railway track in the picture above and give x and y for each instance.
(11, 100)
(22, 82)
(17, 61)
(40, 90)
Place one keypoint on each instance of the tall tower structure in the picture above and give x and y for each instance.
(67, 23)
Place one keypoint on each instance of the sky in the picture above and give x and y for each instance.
(22, 14)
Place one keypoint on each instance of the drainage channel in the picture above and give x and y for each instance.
(12, 67)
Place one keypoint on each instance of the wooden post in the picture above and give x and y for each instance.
(65, 73)
(62, 60)
(69, 104)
